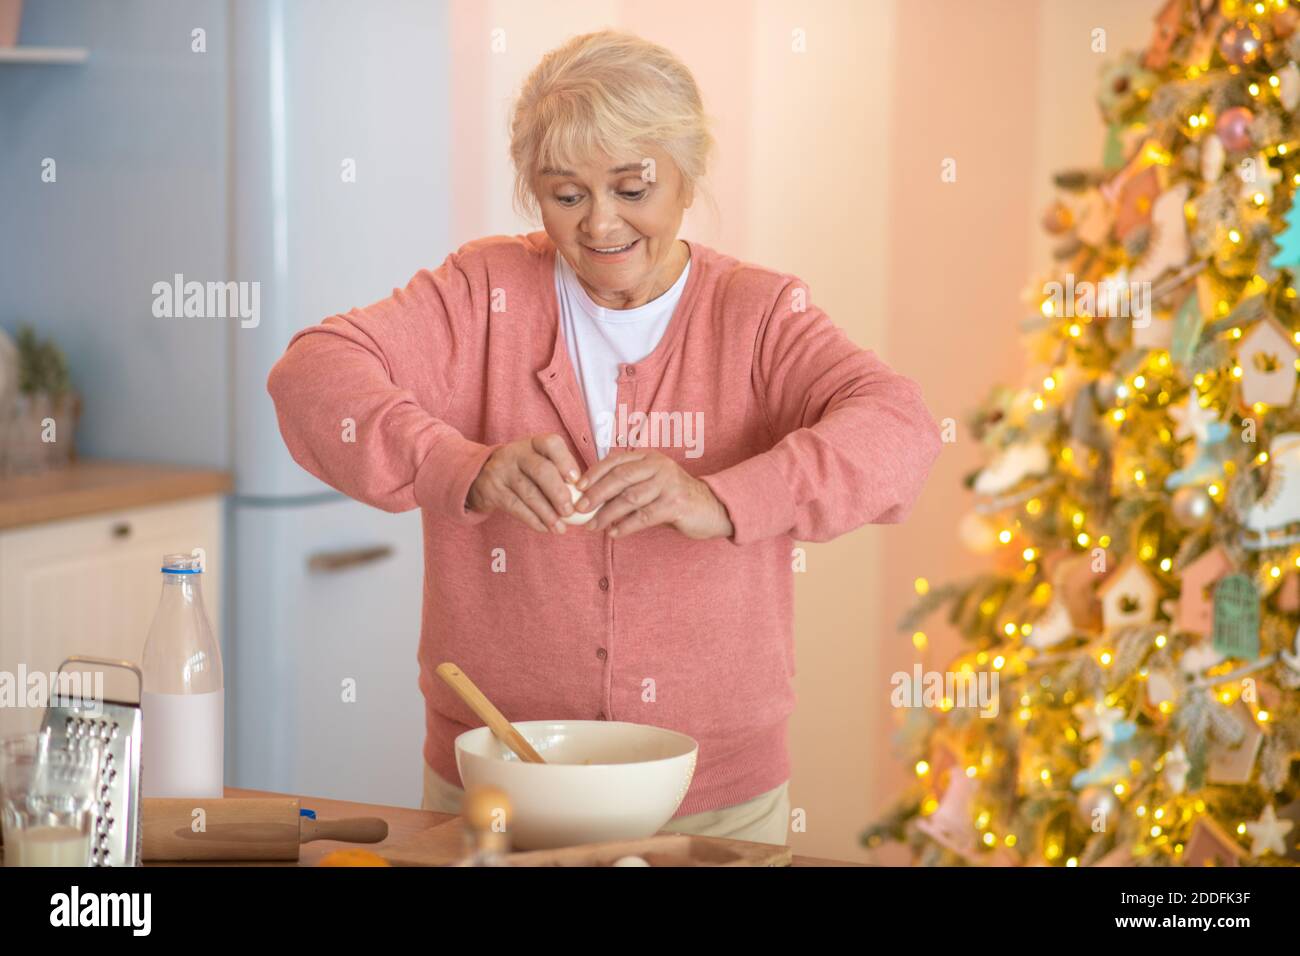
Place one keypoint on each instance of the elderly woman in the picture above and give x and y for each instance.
(708, 412)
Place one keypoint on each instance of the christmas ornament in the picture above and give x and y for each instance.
(1192, 506)
(1075, 585)
(1288, 241)
(1288, 595)
(1241, 43)
(1124, 86)
(1284, 22)
(1233, 128)
(1288, 92)
(1197, 421)
(1106, 390)
(1292, 812)
(1092, 217)
(1121, 855)
(1203, 47)
(1188, 324)
(1128, 596)
(1168, 247)
(1095, 802)
(1053, 627)
(1212, 156)
(1136, 199)
(1258, 177)
(1291, 658)
(1161, 689)
(1267, 834)
(1013, 465)
(1199, 658)
(1236, 617)
(1233, 763)
(1058, 219)
(1275, 518)
(1196, 600)
(1211, 845)
(1175, 769)
(1112, 763)
(951, 824)
(1169, 23)
(1267, 358)
(1097, 720)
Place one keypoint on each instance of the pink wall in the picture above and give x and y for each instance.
(959, 260)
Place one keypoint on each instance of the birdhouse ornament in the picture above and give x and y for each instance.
(1236, 617)
(1195, 612)
(1232, 763)
(1128, 596)
(1168, 25)
(1267, 358)
(1211, 845)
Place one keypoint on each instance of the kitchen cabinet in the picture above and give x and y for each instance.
(89, 584)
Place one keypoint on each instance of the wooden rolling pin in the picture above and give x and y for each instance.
(241, 828)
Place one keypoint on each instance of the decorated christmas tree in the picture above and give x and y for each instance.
(1139, 508)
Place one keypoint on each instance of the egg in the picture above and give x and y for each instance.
(631, 861)
(578, 517)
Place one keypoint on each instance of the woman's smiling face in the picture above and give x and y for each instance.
(609, 203)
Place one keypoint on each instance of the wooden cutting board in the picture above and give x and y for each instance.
(444, 845)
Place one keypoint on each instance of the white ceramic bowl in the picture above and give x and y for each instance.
(603, 779)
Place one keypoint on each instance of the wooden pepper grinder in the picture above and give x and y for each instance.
(486, 811)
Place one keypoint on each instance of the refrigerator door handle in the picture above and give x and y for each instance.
(332, 561)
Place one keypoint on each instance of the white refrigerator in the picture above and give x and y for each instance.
(338, 159)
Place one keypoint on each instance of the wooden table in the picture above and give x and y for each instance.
(404, 824)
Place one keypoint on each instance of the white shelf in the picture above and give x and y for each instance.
(43, 54)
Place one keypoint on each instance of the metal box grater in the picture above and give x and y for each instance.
(115, 726)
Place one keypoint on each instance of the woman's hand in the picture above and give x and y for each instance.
(526, 479)
(640, 488)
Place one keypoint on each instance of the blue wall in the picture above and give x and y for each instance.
(139, 133)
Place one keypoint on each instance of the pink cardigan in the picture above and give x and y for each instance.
(806, 436)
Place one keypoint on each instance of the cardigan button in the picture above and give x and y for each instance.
(601, 653)
(604, 584)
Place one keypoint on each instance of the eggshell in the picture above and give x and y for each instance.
(578, 517)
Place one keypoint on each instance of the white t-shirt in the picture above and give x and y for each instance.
(600, 340)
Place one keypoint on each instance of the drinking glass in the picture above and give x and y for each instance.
(47, 800)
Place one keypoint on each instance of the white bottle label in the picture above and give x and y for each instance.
(182, 753)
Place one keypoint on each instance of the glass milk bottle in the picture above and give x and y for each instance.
(184, 700)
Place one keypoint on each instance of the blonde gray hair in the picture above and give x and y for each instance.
(606, 92)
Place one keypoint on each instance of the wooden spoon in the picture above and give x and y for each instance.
(475, 699)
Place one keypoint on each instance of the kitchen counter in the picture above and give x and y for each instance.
(92, 485)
